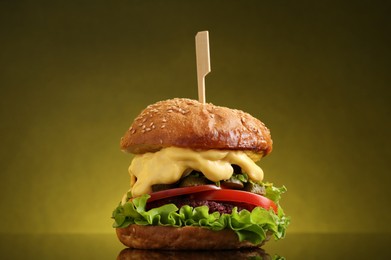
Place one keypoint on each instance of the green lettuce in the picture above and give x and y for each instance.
(250, 226)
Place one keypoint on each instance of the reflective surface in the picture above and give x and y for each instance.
(106, 246)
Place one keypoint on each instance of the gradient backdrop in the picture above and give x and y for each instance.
(74, 75)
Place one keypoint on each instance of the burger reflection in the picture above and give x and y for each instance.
(256, 253)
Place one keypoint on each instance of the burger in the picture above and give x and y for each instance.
(194, 180)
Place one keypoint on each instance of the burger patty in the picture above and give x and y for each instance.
(212, 205)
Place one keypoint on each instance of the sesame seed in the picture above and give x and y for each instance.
(133, 131)
(163, 126)
(142, 131)
(148, 129)
(151, 124)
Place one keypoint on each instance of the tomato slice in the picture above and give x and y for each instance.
(181, 191)
(237, 196)
(214, 193)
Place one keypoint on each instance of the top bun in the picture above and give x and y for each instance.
(187, 123)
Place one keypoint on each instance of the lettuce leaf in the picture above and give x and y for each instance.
(274, 193)
(250, 226)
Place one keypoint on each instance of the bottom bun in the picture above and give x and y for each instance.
(182, 238)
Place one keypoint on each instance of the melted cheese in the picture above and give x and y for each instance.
(170, 164)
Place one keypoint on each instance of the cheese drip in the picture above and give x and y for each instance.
(170, 164)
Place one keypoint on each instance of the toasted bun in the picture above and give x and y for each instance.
(187, 123)
(180, 238)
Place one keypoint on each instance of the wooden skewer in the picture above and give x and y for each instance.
(203, 62)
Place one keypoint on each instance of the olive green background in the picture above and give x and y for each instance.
(74, 74)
